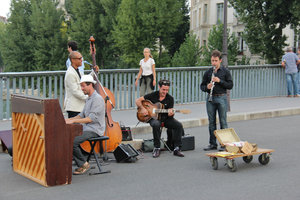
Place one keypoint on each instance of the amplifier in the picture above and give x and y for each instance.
(188, 143)
(125, 153)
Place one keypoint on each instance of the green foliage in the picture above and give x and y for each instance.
(2, 31)
(183, 29)
(215, 41)
(49, 50)
(32, 40)
(94, 18)
(264, 21)
(189, 53)
(243, 61)
(16, 43)
(146, 23)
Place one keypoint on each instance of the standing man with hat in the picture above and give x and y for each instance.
(93, 120)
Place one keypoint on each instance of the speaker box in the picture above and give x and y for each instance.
(125, 153)
(188, 143)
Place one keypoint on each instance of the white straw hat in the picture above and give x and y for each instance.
(87, 78)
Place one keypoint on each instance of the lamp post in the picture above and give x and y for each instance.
(224, 49)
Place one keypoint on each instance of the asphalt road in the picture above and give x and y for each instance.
(191, 177)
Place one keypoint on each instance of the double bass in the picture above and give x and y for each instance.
(113, 129)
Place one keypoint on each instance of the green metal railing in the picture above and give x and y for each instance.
(249, 81)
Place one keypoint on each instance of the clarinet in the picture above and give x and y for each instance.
(213, 85)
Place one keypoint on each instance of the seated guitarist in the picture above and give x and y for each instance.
(167, 100)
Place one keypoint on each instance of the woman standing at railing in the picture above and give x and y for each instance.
(146, 73)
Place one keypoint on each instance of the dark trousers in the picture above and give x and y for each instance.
(72, 114)
(170, 123)
(79, 155)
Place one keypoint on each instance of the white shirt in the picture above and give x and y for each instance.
(147, 66)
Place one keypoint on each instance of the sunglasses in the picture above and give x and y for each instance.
(78, 58)
(165, 82)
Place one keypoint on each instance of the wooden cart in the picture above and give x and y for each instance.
(263, 158)
(228, 135)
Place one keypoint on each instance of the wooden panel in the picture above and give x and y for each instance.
(29, 146)
(33, 105)
(42, 143)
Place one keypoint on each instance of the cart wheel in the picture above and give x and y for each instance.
(247, 159)
(231, 165)
(264, 158)
(214, 162)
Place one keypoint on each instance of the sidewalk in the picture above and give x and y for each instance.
(242, 109)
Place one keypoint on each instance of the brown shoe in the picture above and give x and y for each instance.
(289, 95)
(297, 95)
(178, 153)
(83, 169)
(156, 152)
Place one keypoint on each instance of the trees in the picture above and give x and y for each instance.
(2, 31)
(215, 41)
(189, 52)
(16, 43)
(264, 21)
(49, 49)
(32, 39)
(148, 23)
(94, 18)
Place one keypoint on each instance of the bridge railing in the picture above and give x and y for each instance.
(249, 81)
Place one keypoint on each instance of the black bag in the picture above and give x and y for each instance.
(126, 133)
(148, 145)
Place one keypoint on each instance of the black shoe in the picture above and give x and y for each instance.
(221, 148)
(177, 152)
(210, 147)
(156, 152)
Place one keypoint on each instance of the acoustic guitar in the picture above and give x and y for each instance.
(154, 111)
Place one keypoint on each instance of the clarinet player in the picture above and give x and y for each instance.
(215, 82)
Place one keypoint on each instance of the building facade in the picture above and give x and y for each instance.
(204, 14)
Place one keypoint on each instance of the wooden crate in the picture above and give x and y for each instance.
(227, 135)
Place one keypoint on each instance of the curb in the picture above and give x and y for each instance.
(196, 122)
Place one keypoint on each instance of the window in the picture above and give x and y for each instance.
(220, 13)
(194, 18)
(205, 14)
(199, 20)
(204, 43)
(241, 43)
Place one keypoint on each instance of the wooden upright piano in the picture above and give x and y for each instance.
(42, 141)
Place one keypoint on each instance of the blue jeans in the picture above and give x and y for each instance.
(298, 76)
(218, 103)
(292, 82)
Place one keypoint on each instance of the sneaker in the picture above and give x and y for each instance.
(156, 152)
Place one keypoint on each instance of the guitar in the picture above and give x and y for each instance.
(154, 111)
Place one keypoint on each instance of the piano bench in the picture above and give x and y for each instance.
(93, 142)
